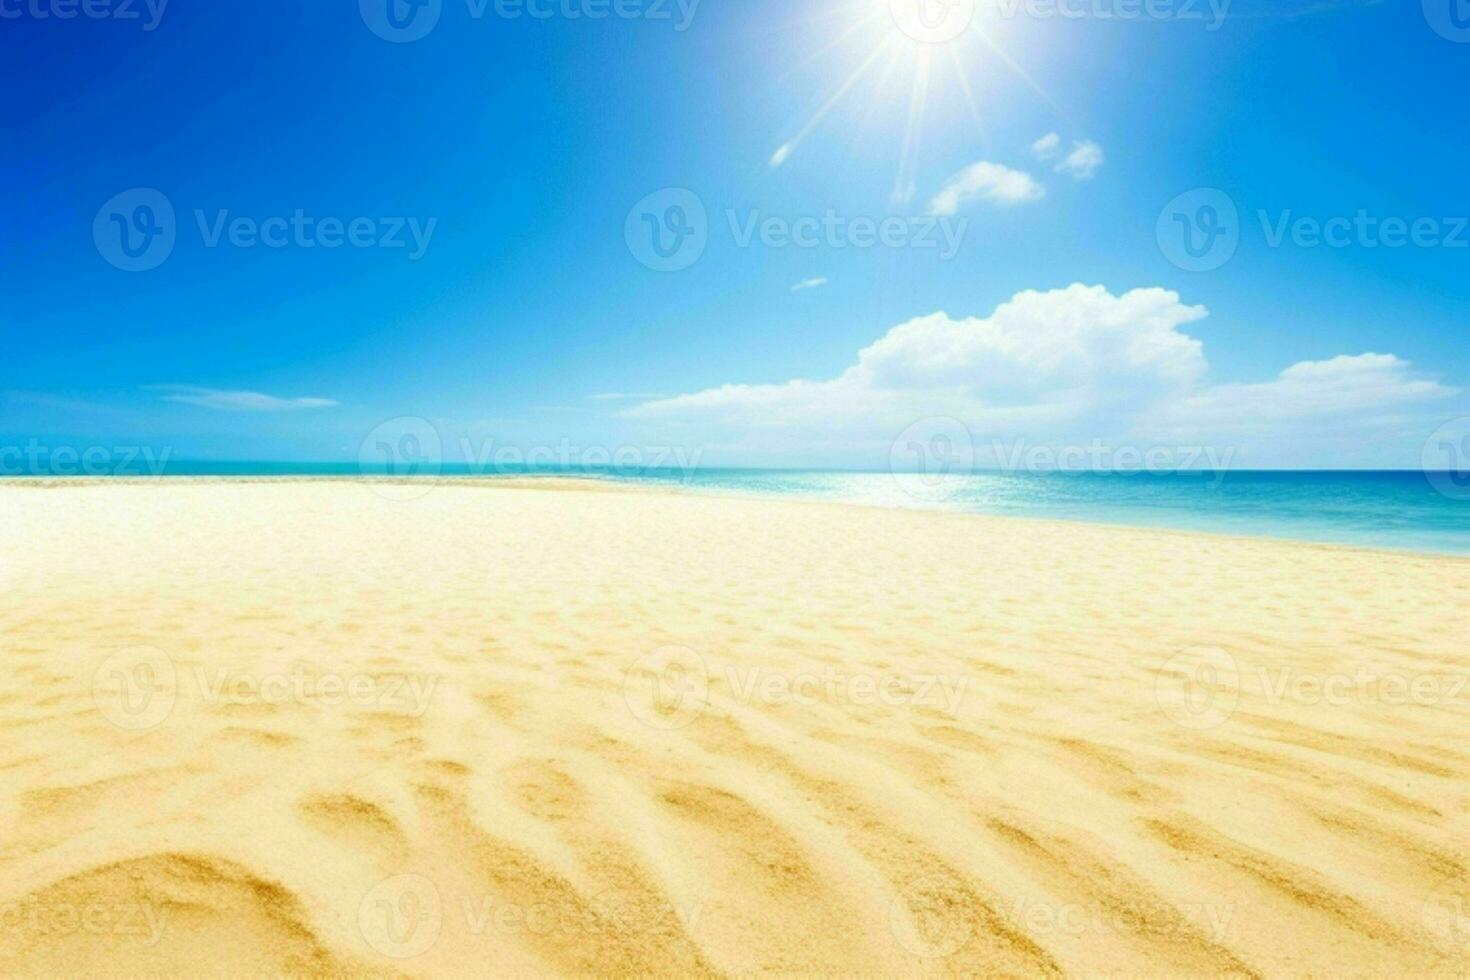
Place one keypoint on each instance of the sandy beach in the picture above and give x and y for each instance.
(336, 727)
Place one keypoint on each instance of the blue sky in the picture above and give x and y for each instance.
(493, 166)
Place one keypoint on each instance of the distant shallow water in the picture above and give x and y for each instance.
(1398, 510)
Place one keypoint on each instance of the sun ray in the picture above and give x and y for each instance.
(905, 186)
(786, 149)
(1021, 73)
(914, 68)
(970, 103)
(837, 42)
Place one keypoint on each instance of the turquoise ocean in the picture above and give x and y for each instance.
(1409, 510)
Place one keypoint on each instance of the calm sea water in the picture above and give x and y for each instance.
(1400, 510)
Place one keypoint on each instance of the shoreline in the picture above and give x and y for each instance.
(614, 484)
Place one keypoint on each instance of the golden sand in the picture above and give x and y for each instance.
(303, 727)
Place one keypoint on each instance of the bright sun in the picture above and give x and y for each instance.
(906, 49)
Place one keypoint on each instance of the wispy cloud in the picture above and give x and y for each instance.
(620, 396)
(236, 401)
(985, 181)
(1046, 147)
(815, 282)
(1083, 162)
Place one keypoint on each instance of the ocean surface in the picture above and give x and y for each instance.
(1412, 510)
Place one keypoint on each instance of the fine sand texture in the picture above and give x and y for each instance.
(516, 729)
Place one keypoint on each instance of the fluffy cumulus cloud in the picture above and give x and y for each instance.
(985, 181)
(1084, 161)
(1064, 367)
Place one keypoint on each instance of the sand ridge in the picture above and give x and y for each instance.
(325, 727)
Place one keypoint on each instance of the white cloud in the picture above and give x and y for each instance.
(236, 401)
(619, 396)
(985, 181)
(1061, 368)
(814, 283)
(1046, 147)
(1083, 162)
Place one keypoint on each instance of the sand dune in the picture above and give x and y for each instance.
(310, 728)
